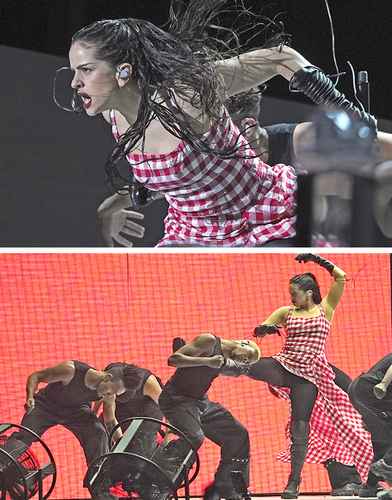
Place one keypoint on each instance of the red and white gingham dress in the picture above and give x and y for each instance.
(218, 202)
(336, 429)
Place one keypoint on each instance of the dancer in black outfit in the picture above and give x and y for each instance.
(138, 398)
(185, 404)
(371, 395)
(66, 399)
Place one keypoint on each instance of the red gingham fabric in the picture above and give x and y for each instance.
(336, 429)
(219, 202)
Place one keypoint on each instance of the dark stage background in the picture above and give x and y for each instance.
(362, 31)
(51, 162)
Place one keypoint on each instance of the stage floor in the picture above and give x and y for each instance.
(272, 497)
(304, 497)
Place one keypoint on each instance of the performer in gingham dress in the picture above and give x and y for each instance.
(323, 423)
(163, 93)
(217, 201)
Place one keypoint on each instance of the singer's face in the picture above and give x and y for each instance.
(94, 79)
(299, 297)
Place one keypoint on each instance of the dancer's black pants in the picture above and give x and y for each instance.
(377, 421)
(83, 424)
(199, 419)
(302, 396)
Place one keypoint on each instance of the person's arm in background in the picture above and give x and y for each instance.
(109, 416)
(381, 388)
(152, 389)
(197, 353)
(116, 221)
(304, 136)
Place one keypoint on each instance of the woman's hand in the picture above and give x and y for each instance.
(116, 221)
(310, 257)
(263, 330)
(380, 390)
(306, 257)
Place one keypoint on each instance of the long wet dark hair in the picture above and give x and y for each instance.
(247, 103)
(174, 62)
(308, 281)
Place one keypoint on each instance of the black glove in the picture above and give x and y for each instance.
(262, 330)
(310, 257)
(316, 85)
(177, 343)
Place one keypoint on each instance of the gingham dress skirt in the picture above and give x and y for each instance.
(336, 428)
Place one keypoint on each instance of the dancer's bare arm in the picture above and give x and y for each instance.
(241, 73)
(381, 388)
(272, 324)
(335, 293)
(109, 416)
(62, 372)
(152, 389)
(197, 353)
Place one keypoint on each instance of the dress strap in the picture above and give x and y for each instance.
(290, 313)
(322, 310)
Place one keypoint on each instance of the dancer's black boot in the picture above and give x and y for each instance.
(299, 449)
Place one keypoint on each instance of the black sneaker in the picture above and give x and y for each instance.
(382, 469)
(103, 495)
(366, 491)
(384, 495)
(348, 490)
(211, 493)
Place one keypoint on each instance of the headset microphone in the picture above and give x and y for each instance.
(77, 103)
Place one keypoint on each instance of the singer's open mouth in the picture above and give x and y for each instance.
(86, 99)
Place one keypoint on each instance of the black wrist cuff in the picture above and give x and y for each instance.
(326, 264)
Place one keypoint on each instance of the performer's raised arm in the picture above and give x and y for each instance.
(330, 302)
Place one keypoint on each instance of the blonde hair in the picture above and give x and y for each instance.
(256, 349)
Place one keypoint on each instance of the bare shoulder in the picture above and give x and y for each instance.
(205, 339)
(67, 367)
(69, 364)
(284, 311)
(106, 116)
(64, 367)
(302, 128)
(62, 372)
(303, 134)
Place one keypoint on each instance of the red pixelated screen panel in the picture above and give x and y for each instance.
(101, 308)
